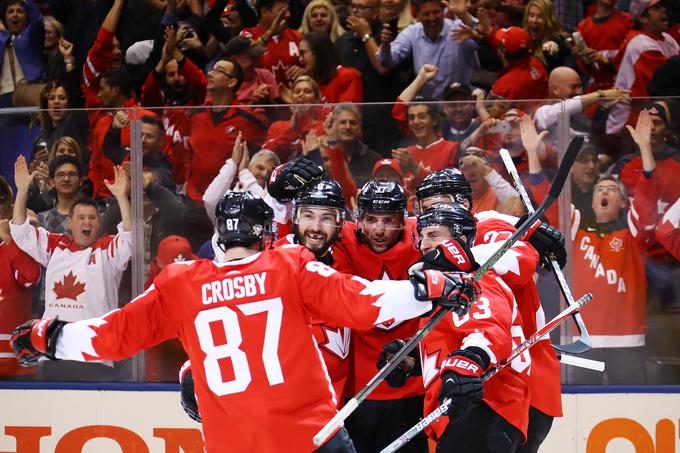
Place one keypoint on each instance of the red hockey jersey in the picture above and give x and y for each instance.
(334, 340)
(212, 143)
(516, 269)
(609, 262)
(604, 35)
(259, 377)
(282, 51)
(368, 344)
(18, 273)
(493, 324)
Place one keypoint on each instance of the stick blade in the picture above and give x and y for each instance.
(577, 347)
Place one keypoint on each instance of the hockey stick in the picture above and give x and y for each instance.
(528, 343)
(352, 404)
(583, 343)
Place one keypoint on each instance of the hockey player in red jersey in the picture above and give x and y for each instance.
(382, 249)
(245, 326)
(483, 417)
(318, 218)
(516, 269)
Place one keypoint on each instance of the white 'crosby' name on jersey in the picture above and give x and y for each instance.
(233, 288)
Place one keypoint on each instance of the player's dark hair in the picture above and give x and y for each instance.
(63, 160)
(326, 58)
(82, 202)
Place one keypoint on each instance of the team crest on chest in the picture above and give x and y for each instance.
(616, 245)
(337, 341)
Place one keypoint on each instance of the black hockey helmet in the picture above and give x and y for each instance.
(459, 220)
(449, 181)
(242, 219)
(386, 196)
(320, 193)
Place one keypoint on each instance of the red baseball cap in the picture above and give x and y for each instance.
(392, 163)
(174, 249)
(513, 39)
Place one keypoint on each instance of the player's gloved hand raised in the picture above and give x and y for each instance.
(461, 381)
(287, 179)
(188, 396)
(410, 366)
(36, 340)
(456, 290)
(450, 255)
(548, 242)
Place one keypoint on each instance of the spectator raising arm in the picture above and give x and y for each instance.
(22, 180)
(119, 189)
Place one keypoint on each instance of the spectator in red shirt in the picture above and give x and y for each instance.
(321, 61)
(115, 92)
(523, 75)
(259, 85)
(18, 273)
(104, 54)
(645, 48)
(285, 137)
(602, 36)
(175, 81)
(213, 132)
(283, 54)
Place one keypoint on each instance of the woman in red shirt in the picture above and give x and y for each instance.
(320, 60)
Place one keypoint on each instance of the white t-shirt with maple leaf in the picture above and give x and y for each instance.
(79, 283)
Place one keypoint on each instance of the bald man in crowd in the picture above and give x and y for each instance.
(564, 84)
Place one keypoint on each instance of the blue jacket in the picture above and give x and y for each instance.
(28, 45)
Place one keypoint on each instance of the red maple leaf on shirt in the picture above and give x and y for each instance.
(69, 287)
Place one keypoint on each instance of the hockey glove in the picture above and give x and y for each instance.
(456, 290)
(36, 340)
(451, 255)
(188, 396)
(287, 179)
(461, 381)
(410, 366)
(548, 242)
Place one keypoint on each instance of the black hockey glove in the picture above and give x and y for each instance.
(461, 381)
(456, 290)
(548, 242)
(287, 179)
(36, 340)
(188, 396)
(410, 366)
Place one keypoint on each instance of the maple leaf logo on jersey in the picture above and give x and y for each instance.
(69, 287)
(279, 70)
(389, 324)
(337, 341)
(428, 363)
(616, 244)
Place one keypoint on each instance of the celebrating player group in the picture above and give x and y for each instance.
(306, 306)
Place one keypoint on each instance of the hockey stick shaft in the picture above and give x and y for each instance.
(561, 280)
(519, 350)
(555, 189)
